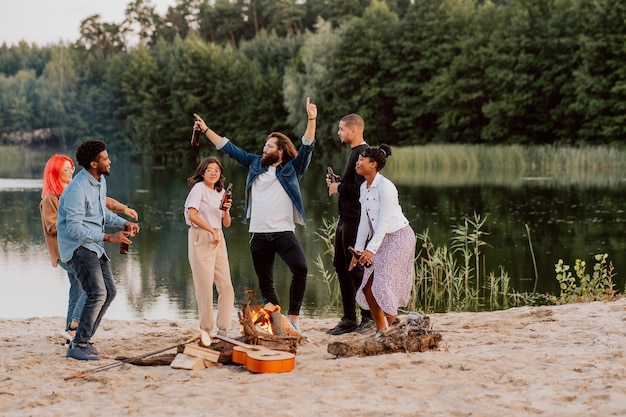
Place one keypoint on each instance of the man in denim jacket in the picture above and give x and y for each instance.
(273, 205)
(81, 236)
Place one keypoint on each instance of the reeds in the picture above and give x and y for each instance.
(507, 165)
(16, 162)
(446, 279)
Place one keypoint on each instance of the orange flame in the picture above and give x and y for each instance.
(261, 318)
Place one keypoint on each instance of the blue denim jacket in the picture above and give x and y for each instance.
(83, 215)
(289, 173)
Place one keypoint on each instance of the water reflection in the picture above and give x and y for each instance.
(569, 216)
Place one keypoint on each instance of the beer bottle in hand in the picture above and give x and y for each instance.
(195, 137)
(330, 174)
(124, 246)
(228, 196)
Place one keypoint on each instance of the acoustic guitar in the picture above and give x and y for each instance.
(259, 359)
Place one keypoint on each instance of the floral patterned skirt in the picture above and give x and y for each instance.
(392, 272)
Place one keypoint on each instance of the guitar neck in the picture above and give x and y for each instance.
(234, 342)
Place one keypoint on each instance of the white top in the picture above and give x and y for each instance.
(380, 213)
(207, 201)
(271, 209)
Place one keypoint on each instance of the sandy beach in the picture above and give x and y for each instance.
(529, 361)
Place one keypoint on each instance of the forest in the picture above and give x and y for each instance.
(418, 71)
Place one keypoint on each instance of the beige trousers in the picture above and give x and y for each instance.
(209, 265)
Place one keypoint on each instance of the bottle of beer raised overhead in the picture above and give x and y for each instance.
(228, 196)
(124, 246)
(330, 174)
(195, 137)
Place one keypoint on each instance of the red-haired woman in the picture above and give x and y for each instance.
(56, 175)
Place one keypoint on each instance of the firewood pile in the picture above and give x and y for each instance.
(409, 333)
(269, 327)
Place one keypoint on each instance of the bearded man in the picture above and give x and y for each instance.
(273, 206)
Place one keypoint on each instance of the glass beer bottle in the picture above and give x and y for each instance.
(124, 246)
(330, 174)
(195, 137)
(228, 196)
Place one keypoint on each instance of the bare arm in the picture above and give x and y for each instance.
(311, 110)
(192, 213)
(117, 207)
(199, 124)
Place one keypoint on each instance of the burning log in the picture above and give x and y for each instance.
(276, 318)
(410, 333)
(262, 331)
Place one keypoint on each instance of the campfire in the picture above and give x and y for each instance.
(269, 319)
(268, 326)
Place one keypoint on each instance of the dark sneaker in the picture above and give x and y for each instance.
(344, 326)
(80, 353)
(366, 326)
(92, 349)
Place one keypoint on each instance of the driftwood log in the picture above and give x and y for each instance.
(159, 360)
(410, 333)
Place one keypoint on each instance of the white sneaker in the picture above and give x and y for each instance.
(295, 325)
(222, 332)
(205, 339)
(68, 334)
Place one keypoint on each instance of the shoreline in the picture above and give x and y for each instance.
(552, 360)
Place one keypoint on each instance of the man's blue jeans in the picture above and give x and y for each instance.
(264, 247)
(97, 280)
(77, 296)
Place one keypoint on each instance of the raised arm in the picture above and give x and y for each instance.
(311, 110)
(199, 124)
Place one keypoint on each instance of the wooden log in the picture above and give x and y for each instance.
(278, 325)
(249, 329)
(271, 308)
(192, 363)
(409, 333)
(159, 360)
(367, 346)
(254, 337)
(202, 352)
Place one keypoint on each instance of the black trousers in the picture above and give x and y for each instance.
(349, 281)
(264, 247)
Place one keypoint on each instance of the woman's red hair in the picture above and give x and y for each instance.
(52, 184)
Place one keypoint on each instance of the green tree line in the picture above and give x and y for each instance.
(420, 71)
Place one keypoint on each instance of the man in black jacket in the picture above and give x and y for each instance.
(350, 132)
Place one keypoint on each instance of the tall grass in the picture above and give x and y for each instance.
(453, 277)
(324, 262)
(446, 279)
(509, 165)
(16, 162)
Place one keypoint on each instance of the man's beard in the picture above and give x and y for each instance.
(269, 159)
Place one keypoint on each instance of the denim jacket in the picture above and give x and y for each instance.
(83, 215)
(288, 173)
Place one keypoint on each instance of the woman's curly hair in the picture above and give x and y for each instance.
(378, 155)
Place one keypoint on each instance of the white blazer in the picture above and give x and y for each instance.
(380, 213)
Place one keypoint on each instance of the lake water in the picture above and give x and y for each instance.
(569, 217)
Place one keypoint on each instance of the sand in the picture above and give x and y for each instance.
(529, 361)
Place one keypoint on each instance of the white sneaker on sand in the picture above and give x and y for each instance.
(205, 339)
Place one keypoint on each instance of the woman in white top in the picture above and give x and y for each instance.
(386, 240)
(208, 256)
